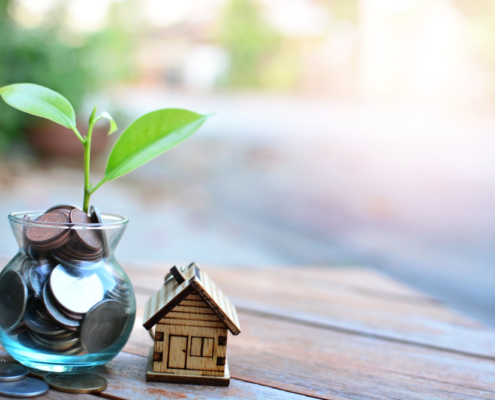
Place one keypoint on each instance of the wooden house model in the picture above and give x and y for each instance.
(191, 317)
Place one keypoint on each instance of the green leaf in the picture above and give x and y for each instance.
(40, 101)
(113, 124)
(148, 137)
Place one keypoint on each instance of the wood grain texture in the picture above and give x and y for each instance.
(330, 364)
(222, 379)
(317, 296)
(126, 376)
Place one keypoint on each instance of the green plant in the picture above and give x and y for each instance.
(146, 138)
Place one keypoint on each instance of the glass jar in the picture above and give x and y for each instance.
(65, 302)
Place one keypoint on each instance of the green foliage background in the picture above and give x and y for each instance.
(44, 56)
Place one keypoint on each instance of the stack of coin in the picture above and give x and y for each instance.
(15, 383)
(63, 298)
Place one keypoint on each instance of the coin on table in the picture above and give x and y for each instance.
(77, 383)
(74, 290)
(54, 312)
(102, 325)
(13, 299)
(27, 387)
(10, 371)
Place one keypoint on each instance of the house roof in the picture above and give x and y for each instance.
(172, 293)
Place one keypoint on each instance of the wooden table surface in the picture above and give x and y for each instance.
(325, 333)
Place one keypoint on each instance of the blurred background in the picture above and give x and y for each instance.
(348, 132)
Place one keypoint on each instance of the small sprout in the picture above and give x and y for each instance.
(146, 138)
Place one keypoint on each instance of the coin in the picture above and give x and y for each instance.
(13, 299)
(25, 242)
(46, 237)
(88, 237)
(10, 371)
(40, 325)
(76, 383)
(39, 276)
(28, 387)
(66, 207)
(75, 291)
(53, 345)
(53, 311)
(102, 325)
(96, 218)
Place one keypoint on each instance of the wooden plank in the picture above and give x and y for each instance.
(126, 380)
(299, 295)
(329, 364)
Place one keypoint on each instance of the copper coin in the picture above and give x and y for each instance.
(43, 234)
(64, 207)
(13, 299)
(89, 237)
(76, 383)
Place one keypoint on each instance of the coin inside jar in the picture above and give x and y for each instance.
(102, 325)
(10, 371)
(40, 325)
(53, 311)
(96, 218)
(76, 383)
(89, 237)
(13, 299)
(48, 237)
(27, 387)
(75, 291)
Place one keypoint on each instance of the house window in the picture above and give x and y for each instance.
(201, 347)
(157, 356)
(159, 336)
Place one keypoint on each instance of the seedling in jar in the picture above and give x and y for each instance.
(144, 139)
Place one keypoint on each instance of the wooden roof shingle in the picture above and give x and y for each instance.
(172, 293)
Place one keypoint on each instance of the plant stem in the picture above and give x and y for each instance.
(87, 160)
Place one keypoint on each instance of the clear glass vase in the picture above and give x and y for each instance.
(65, 302)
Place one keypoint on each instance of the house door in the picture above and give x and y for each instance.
(177, 352)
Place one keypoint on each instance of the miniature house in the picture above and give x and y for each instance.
(191, 317)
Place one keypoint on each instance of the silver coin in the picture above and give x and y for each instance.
(28, 387)
(75, 291)
(10, 371)
(53, 345)
(40, 325)
(13, 299)
(73, 350)
(115, 296)
(25, 340)
(103, 325)
(53, 311)
(96, 218)
(33, 253)
(39, 276)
